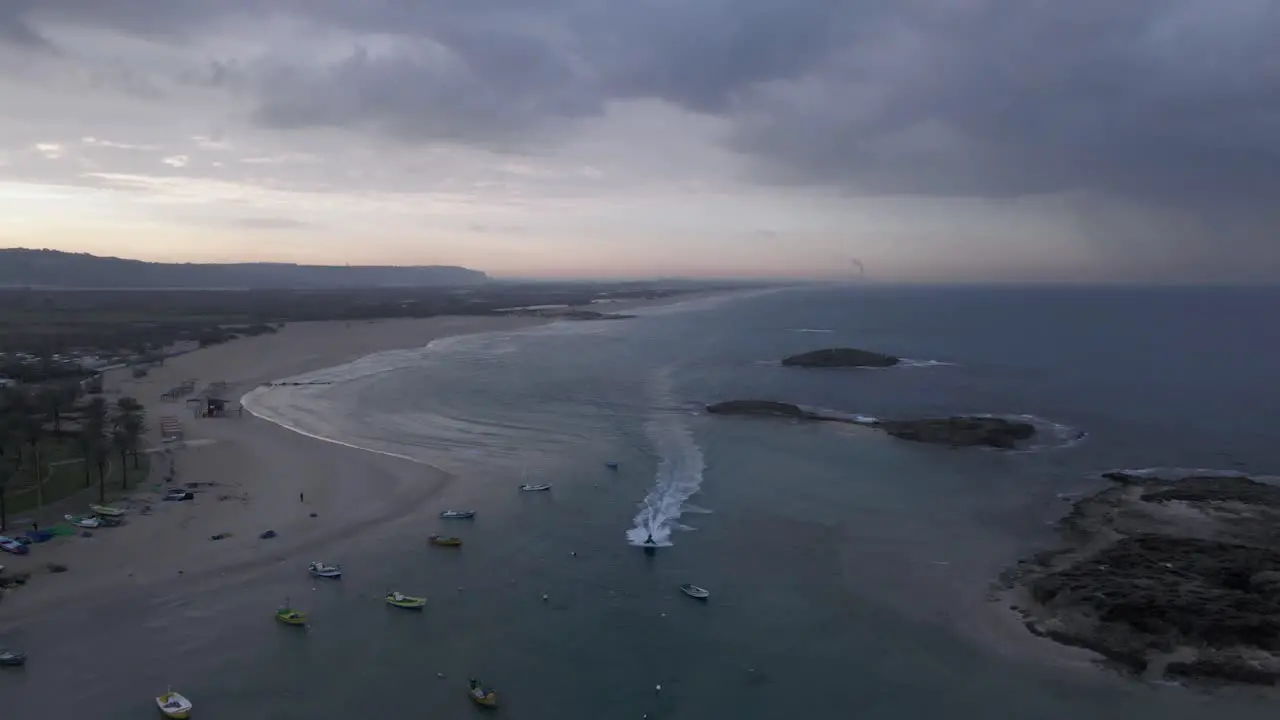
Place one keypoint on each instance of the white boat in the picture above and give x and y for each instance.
(12, 658)
(319, 569)
(174, 705)
(694, 591)
(535, 488)
(84, 522)
(458, 514)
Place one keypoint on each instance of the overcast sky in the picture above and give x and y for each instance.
(932, 139)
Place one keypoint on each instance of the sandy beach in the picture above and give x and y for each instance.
(251, 475)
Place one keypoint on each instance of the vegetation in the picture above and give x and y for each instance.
(51, 439)
(142, 323)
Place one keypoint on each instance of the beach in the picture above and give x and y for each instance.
(250, 475)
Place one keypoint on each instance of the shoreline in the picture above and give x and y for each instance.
(284, 479)
(250, 473)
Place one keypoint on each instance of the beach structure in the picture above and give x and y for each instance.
(170, 428)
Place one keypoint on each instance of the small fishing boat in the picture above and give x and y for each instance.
(482, 695)
(106, 510)
(444, 541)
(611, 465)
(290, 616)
(174, 705)
(458, 514)
(87, 521)
(535, 488)
(319, 569)
(12, 658)
(177, 495)
(694, 591)
(408, 602)
(10, 545)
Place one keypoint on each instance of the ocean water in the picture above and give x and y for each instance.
(848, 570)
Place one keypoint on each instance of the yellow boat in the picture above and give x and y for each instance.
(290, 616)
(408, 602)
(481, 695)
(445, 541)
(173, 705)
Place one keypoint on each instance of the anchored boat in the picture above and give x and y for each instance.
(694, 591)
(319, 569)
(290, 616)
(444, 541)
(483, 696)
(106, 510)
(458, 514)
(13, 658)
(408, 602)
(174, 705)
(535, 488)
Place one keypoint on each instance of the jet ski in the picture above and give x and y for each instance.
(650, 547)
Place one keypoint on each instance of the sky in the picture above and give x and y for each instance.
(932, 140)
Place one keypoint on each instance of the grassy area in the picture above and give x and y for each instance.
(65, 477)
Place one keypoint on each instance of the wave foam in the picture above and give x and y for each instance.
(1177, 474)
(679, 474)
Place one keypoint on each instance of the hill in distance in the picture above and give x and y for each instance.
(20, 267)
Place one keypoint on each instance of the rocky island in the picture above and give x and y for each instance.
(1174, 577)
(841, 358)
(956, 431)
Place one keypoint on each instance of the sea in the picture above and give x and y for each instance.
(849, 572)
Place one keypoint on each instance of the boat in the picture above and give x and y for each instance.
(10, 545)
(174, 705)
(408, 602)
(106, 510)
(12, 658)
(611, 465)
(290, 616)
(111, 520)
(694, 591)
(535, 488)
(650, 547)
(319, 569)
(458, 514)
(84, 522)
(177, 495)
(482, 695)
(444, 541)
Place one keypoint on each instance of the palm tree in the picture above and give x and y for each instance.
(130, 420)
(5, 472)
(93, 427)
(98, 454)
(121, 442)
(32, 429)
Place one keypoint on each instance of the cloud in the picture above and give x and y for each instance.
(1153, 125)
(50, 150)
(176, 161)
(271, 223)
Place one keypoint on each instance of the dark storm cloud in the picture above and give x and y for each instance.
(1161, 103)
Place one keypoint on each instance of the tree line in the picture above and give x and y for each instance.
(36, 419)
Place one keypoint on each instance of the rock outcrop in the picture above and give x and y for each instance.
(1167, 578)
(767, 408)
(956, 431)
(841, 358)
(962, 431)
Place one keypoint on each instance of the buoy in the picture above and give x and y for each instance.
(574, 554)
(544, 597)
(657, 688)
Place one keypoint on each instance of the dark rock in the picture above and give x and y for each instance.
(1209, 488)
(1234, 670)
(841, 357)
(961, 431)
(758, 407)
